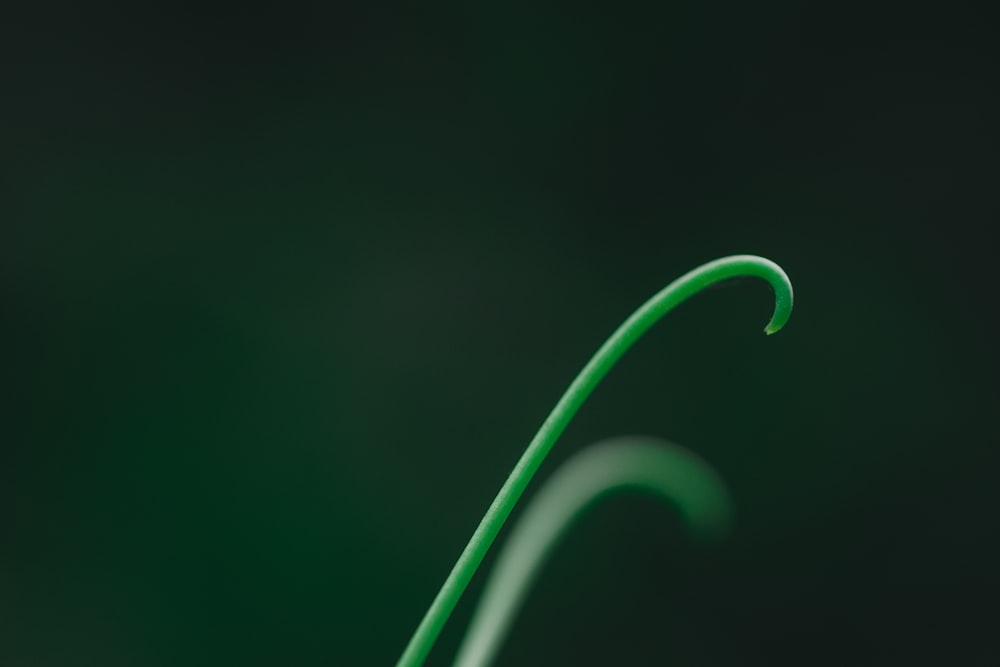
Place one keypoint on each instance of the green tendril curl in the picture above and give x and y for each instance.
(644, 465)
(736, 266)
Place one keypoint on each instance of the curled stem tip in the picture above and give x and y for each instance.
(646, 465)
(738, 266)
(604, 359)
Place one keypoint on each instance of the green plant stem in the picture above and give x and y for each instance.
(609, 353)
(646, 465)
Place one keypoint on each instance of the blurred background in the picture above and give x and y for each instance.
(286, 290)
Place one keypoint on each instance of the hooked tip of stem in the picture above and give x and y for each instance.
(783, 295)
(738, 266)
(782, 307)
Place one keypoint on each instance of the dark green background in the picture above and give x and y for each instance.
(285, 292)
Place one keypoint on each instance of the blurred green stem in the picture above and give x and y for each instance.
(646, 465)
(609, 353)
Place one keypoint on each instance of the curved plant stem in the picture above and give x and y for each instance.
(625, 464)
(609, 353)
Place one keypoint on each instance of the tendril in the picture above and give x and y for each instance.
(610, 352)
(645, 465)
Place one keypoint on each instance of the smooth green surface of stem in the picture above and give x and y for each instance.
(609, 353)
(646, 465)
